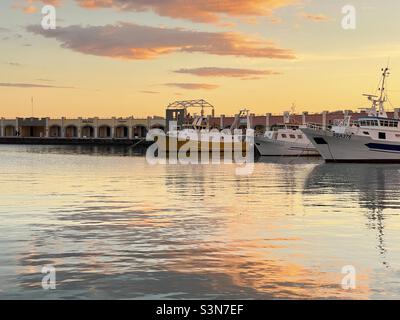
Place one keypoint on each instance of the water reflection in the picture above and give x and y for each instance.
(116, 227)
(375, 186)
(97, 150)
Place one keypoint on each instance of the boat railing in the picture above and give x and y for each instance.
(314, 126)
(339, 122)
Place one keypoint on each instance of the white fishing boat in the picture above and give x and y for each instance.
(286, 140)
(373, 138)
(199, 136)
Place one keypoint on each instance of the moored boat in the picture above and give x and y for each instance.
(286, 140)
(373, 138)
(199, 136)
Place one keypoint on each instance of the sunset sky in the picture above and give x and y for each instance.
(133, 57)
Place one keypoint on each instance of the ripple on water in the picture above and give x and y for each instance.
(116, 227)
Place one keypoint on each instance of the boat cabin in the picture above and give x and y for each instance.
(286, 132)
(378, 122)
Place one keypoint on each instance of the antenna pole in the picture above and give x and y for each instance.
(382, 89)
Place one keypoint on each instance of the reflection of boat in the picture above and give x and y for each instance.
(286, 140)
(198, 136)
(374, 138)
(376, 187)
(289, 160)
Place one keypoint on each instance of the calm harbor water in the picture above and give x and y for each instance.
(114, 226)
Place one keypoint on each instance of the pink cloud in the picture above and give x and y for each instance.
(209, 11)
(193, 86)
(227, 72)
(30, 9)
(31, 6)
(206, 11)
(315, 17)
(131, 41)
(149, 92)
(31, 85)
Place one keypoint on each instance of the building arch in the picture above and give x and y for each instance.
(140, 131)
(87, 132)
(122, 132)
(71, 131)
(104, 131)
(9, 131)
(55, 131)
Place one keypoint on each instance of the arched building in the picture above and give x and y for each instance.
(131, 128)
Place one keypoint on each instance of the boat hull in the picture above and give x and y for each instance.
(171, 144)
(270, 147)
(335, 147)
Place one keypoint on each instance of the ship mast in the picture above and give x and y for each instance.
(372, 112)
(382, 88)
(382, 98)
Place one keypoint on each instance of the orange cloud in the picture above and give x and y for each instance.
(29, 6)
(52, 2)
(30, 9)
(149, 92)
(131, 41)
(31, 85)
(315, 17)
(193, 86)
(226, 72)
(209, 11)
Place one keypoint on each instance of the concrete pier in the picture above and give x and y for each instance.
(126, 131)
(80, 128)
